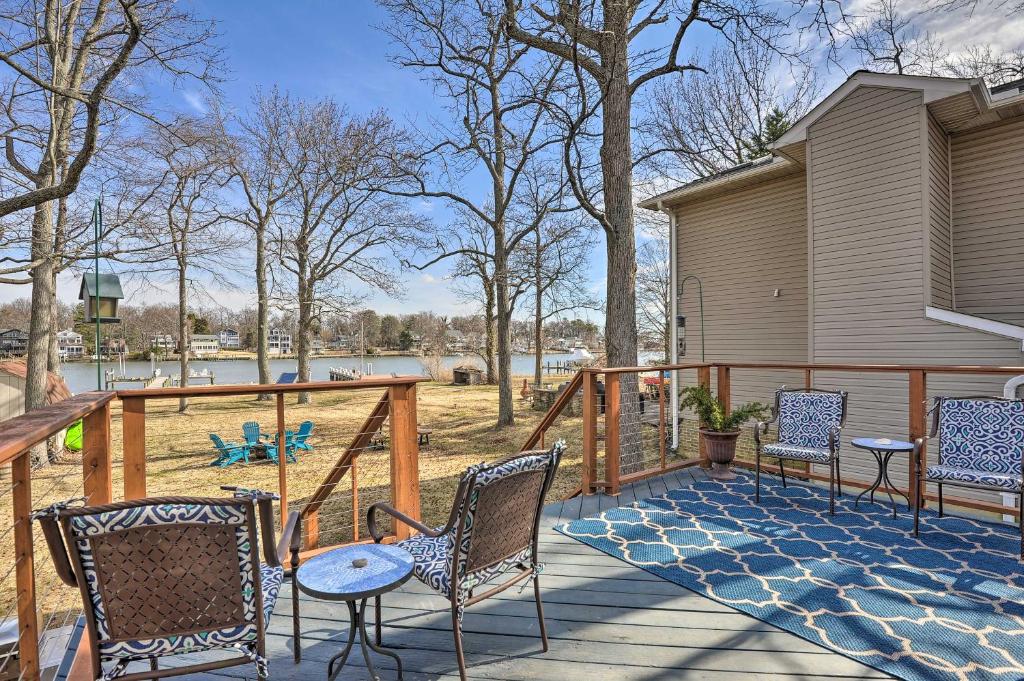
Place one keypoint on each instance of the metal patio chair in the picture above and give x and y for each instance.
(172, 575)
(810, 423)
(492, 530)
(981, 442)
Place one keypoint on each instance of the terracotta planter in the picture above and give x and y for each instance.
(721, 450)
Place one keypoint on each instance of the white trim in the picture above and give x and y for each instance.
(933, 88)
(976, 323)
(673, 311)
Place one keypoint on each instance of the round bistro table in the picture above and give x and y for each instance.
(351, 574)
(882, 449)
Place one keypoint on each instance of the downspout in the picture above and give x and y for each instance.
(673, 326)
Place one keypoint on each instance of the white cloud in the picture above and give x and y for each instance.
(194, 100)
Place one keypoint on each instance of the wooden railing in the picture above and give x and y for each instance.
(18, 436)
(917, 426)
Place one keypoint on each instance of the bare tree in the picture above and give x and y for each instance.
(474, 238)
(495, 98)
(338, 221)
(888, 40)
(983, 61)
(259, 162)
(60, 63)
(191, 170)
(701, 123)
(653, 291)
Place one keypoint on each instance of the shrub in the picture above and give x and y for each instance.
(711, 411)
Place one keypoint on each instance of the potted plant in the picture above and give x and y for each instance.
(720, 430)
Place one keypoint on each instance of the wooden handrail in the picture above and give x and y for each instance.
(556, 409)
(22, 432)
(811, 366)
(266, 388)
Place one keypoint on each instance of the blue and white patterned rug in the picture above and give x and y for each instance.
(949, 605)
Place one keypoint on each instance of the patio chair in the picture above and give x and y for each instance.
(228, 452)
(166, 576)
(492, 529)
(300, 437)
(810, 423)
(981, 441)
(253, 434)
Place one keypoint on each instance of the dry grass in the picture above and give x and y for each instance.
(179, 452)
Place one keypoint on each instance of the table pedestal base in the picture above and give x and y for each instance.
(882, 459)
(357, 616)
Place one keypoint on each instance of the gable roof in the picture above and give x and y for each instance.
(110, 286)
(56, 388)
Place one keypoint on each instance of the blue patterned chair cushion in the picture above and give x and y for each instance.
(974, 477)
(807, 418)
(981, 435)
(800, 453)
(435, 560)
(84, 526)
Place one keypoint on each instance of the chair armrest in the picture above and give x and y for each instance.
(371, 521)
(761, 428)
(291, 539)
(919, 445)
(834, 434)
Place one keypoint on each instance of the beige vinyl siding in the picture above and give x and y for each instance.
(744, 245)
(940, 264)
(988, 219)
(873, 254)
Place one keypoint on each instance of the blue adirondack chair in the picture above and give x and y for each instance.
(228, 452)
(252, 433)
(297, 440)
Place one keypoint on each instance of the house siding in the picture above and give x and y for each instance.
(939, 246)
(876, 222)
(744, 245)
(988, 218)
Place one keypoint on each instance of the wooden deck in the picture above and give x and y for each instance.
(606, 620)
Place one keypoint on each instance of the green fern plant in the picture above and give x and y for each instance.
(712, 414)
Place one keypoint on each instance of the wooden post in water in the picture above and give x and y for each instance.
(97, 476)
(405, 468)
(133, 428)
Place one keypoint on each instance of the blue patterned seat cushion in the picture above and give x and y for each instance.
(807, 418)
(974, 477)
(799, 453)
(982, 435)
(434, 556)
(84, 526)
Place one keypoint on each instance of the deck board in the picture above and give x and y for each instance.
(606, 620)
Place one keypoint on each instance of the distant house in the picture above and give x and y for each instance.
(316, 344)
(229, 339)
(163, 342)
(13, 342)
(204, 344)
(885, 228)
(456, 340)
(69, 344)
(343, 341)
(279, 342)
(113, 346)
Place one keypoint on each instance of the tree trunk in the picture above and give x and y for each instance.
(538, 315)
(184, 334)
(506, 416)
(42, 310)
(620, 314)
(304, 335)
(262, 310)
(53, 352)
(489, 333)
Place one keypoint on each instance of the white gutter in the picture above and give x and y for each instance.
(673, 312)
(976, 323)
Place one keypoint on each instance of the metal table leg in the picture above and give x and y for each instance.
(876, 484)
(891, 486)
(357, 618)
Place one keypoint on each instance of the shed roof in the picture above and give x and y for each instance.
(110, 286)
(56, 388)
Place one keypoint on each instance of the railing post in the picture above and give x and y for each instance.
(918, 413)
(24, 567)
(97, 473)
(662, 453)
(612, 414)
(704, 379)
(808, 379)
(282, 460)
(724, 388)
(133, 427)
(590, 408)
(405, 474)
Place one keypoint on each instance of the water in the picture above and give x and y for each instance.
(81, 376)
